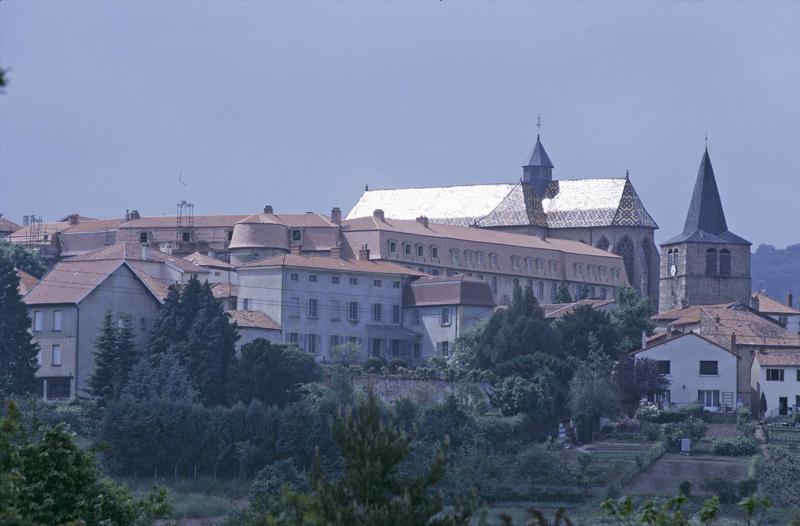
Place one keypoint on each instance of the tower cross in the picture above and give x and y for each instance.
(538, 124)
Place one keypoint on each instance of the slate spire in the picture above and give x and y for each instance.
(539, 157)
(537, 172)
(705, 209)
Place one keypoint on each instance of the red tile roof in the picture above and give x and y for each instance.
(26, 282)
(767, 305)
(134, 252)
(253, 319)
(782, 357)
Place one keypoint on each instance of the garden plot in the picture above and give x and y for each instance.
(616, 461)
(663, 476)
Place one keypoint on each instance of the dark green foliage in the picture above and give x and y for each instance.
(735, 447)
(370, 491)
(272, 480)
(583, 324)
(114, 357)
(193, 326)
(52, 481)
(685, 488)
(562, 294)
(373, 365)
(23, 259)
(395, 364)
(17, 349)
(593, 392)
(775, 270)
(638, 378)
(534, 397)
(272, 373)
(159, 376)
(446, 419)
(630, 318)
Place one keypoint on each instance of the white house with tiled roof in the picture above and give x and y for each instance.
(783, 313)
(254, 324)
(776, 374)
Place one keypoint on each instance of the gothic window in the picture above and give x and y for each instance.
(602, 244)
(711, 262)
(677, 259)
(625, 249)
(724, 262)
(670, 259)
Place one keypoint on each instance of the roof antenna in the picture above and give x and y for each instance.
(538, 124)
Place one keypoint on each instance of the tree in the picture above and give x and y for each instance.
(762, 404)
(578, 327)
(592, 390)
(23, 259)
(114, 356)
(630, 319)
(638, 378)
(52, 481)
(272, 373)
(370, 491)
(18, 350)
(194, 327)
(514, 395)
(159, 376)
(562, 294)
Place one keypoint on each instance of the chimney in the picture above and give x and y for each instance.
(716, 319)
(789, 299)
(268, 209)
(423, 221)
(378, 214)
(26, 220)
(73, 219)
(145, 252)
(127, 215)
(754, 302)
(733, 342)
(364, 252)
(134, 214)
(336, 215)
(295, 249)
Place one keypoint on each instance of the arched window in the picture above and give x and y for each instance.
(711, 262)
(724, 262)
(670, 259)
(625, 249)
(676, 255)
(603, 243)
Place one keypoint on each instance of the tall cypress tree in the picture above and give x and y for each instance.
(17, 349)
(127, 355)
(101, 383)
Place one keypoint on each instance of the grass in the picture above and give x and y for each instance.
(198, 498)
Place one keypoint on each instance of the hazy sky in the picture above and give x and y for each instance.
(299, 105)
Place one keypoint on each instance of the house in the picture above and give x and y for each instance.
(321, 302)
(783, 313)
(776, 375)
(441, 308)
(219, 271)
(254, 324)
(698, 369)
(68, 304)
(505, 260)
(733, 326)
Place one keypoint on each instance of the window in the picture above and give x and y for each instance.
(334, 341)
(245, 303)
(396, 284)
(58, 388)
(444, 317)
(38, 318)
(377, 312)
(711, 262)
(186, 236)
(516, 283)
(670, 259)
(480, 258)
(57, 320)
(56, 355)
(708, 398)
(253, 256)
(774, 375)
(676, 255)
(454, 256)
(724, 262)
(377, 283)
(420, 251)
(540, 290)
(313, 343)
(416, 319)
(313, 308)
(514, 263)
(334, 280)
(434, 253)
(493, 260)
(143, 323)
(494, 284)
(798, 376)
(334, 308)
(444, 349)
(392, 247)
(416, 350)
(294, 338)
(468, 257)
(352, 311)
(395, 313)
(313, 278)
(297, 236)
(354, 341)
(294, 307)
(143, 237)
(529, 265)
(603, 293)
(395, 348)
(229, 235)
(539, 265)
(663, 366)
(353, 281)
(294, 276)
(376, 347)
(553, 290)
(709, 367)
(553, 267)
(407, 249)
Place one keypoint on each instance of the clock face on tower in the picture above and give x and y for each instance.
(673, 270)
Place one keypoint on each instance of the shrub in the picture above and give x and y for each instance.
(271, 480)
(626, 424)
(723, 488)
(372, 365)
(690, 428)
(648, 412)
(735, 447)
(685, 488)
(747, 487)
(395, 364)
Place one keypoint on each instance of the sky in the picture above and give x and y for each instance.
(236, 105)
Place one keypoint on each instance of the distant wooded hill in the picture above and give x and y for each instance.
(777, 271)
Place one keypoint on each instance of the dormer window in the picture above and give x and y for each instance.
(297, 235)
(143, 237)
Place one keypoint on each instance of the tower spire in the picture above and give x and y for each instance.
(705, 209)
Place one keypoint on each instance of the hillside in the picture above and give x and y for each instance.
(777, 270)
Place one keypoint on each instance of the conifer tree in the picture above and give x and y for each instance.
(18, 351)
(127, 355)
(101, 383)
(562, 294)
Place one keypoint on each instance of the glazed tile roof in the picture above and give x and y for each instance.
(458, 289)
(331, 263)
(566, 204)
(253, 319)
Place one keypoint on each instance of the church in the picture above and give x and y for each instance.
(603, 212)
